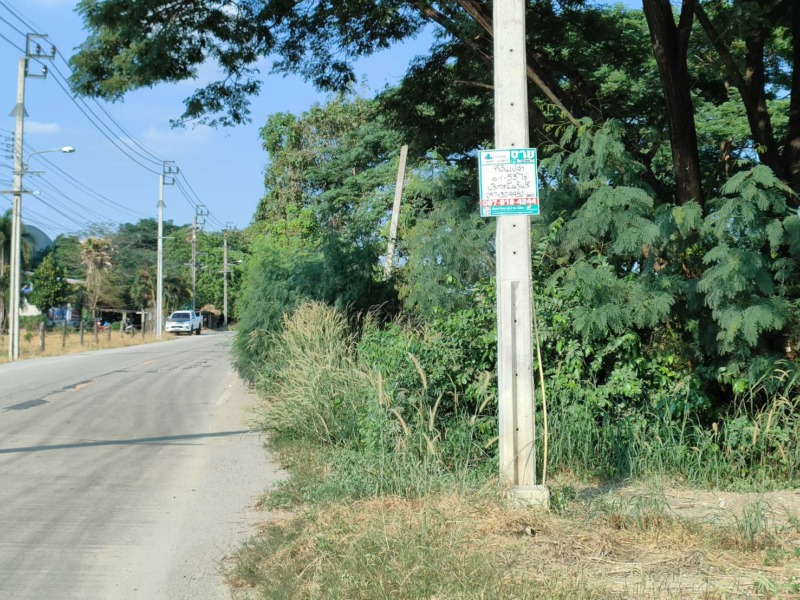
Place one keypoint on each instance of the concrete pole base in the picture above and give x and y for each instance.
(532, 496)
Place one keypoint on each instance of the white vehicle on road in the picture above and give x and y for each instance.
(185, 321)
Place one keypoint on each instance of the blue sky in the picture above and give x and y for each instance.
(221, 168)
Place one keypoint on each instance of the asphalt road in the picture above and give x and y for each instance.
(127, 473)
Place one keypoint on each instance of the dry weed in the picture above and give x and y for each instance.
(604, 555)
(29, 348)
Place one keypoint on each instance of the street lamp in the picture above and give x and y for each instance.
(64, 149)
(16, 250)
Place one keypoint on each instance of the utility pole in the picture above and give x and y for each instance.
(398, 195)
(513, 246)
(225, 272)
(198, 221)
(168, 171)
(33, 50)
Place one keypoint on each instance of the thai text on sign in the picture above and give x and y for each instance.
(508, 182)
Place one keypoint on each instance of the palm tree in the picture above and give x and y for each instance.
(96, 257)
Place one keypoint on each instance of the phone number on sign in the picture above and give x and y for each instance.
(489, 202)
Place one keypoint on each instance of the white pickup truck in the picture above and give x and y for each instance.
(185, 321)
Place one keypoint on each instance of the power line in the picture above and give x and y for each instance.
(78, 184)
(81, 187)
(61, 79)
(128, 145)
(89, 191)
(113, 138)
(81, 208)
(219, 224)
(18, 16)
(14, 27)
(192, 203)
(48, 224)
(63, 214)
(127, 133)
(20, 48)
(147, 155)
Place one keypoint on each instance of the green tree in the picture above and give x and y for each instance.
(50, 287)
(670, 167)
(67, 255)
(326, 197)
(749, 45)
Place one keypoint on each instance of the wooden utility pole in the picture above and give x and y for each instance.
(398, 196)
(513, 246)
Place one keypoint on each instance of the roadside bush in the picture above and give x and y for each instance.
(407, 418)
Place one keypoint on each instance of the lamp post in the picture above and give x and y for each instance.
(16, 249)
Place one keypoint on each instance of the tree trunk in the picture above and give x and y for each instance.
(760, 123)
(791, 153)
(670, 43)
(752, 87)
(41, 336)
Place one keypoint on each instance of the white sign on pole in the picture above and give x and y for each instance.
(509, 183)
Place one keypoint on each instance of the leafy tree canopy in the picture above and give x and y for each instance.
(50, 287)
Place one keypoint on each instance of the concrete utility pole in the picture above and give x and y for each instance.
(198, 221)
(168, 171)
(398, 195)
(33, 50)
(513, 244)
(225, 272)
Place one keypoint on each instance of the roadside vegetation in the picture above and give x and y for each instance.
(394, 490)
(666, 263)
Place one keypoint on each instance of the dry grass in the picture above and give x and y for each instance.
(606, 545)
(29, 345)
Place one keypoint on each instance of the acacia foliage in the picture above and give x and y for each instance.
(718, 283)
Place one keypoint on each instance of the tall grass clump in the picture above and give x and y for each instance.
(321, 390)
(312, 386)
